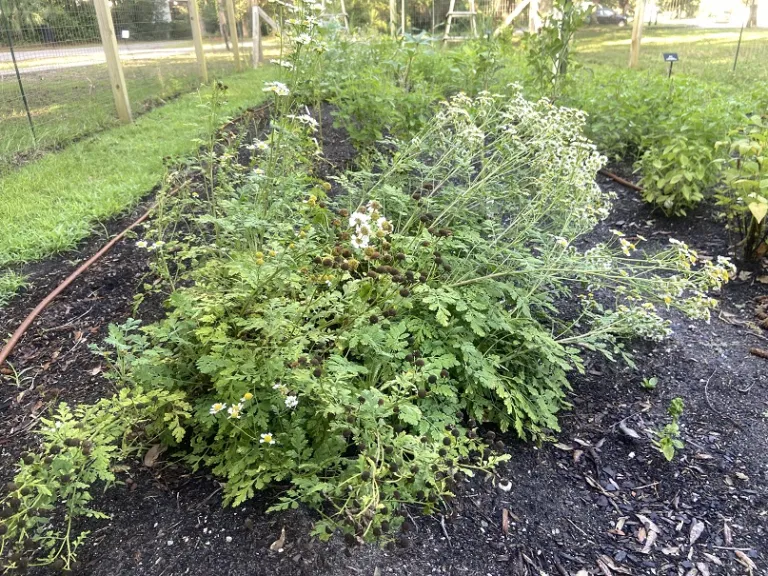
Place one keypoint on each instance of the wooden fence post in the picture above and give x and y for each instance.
(197, 39)
(637, 34)
(257, 56)
(115, 68)
(233, 32)
(533, 17)
(392, 25)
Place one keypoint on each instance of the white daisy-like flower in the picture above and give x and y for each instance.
(283, 64)
(291, 401)
(141, 244)
(258, 172)
(360, 242)
(235, 410)
(560, 241)
(277, 87)
(157, 245)
(247, 396)
(305, 119)
(260, 145)
(217, 407)
(303, 39)
(267, 438)
(359, 219)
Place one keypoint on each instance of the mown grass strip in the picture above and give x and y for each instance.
(48, 206)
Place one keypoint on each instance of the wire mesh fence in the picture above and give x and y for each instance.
(722, 42)
(54, 80)
(55, 86)
(56, 67)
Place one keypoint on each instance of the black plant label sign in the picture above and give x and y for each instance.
(670, 57)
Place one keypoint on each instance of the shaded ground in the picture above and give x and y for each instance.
(598, 496)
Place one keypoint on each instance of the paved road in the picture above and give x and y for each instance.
(47, 59)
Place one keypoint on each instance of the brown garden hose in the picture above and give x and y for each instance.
(8, 348)
(11, 344)
(620, 180)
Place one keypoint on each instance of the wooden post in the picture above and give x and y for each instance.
(402, 17)
(511, 17)
(258, 56)
(197, 39)
(637, 34)
(232, 21)
(115, 68)
(392, 25)
(533, 17)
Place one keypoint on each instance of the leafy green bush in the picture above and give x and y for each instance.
(548, 50)
(668, 129)
(676, 171)
(745, 179)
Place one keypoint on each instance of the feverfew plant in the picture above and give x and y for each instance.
(366, 350)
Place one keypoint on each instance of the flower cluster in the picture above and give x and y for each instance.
(235, 411)
(627, 247)
(278, 88)
(368, 222)
(305, 119)
(151, 247)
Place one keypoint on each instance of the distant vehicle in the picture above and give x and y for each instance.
(607, 16)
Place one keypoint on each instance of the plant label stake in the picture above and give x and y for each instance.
(670, 57)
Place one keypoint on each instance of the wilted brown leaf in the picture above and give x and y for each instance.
(279, 543)
(746, 561)
(153, 454)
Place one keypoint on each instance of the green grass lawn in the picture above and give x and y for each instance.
(49, 205)
(705, 52)
(69, 103)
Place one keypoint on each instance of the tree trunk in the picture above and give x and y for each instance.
(223, 23)
(752, 21)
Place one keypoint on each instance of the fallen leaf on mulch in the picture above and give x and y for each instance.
(95, 370)
(727, 534)
(702, 456)
(653, 532)
(759, 352)
(762, 279)
(603, 568)
(697, 528)
(608, 561)
(561, 446)
(631, 432)
(280, 542)
(703, 568)
(712, 558)
(745, 561)
(152, 455)
(505, 521)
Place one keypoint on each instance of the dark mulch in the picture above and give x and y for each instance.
(568, 506)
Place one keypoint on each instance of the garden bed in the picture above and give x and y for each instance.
(568, 505)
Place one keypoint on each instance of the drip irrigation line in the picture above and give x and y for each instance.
(258, 112)
(24, 326)
(620, 180)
